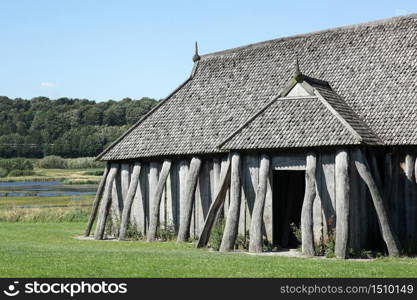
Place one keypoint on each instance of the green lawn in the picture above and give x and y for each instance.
(50, 250)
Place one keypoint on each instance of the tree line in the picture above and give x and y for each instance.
(66, 127)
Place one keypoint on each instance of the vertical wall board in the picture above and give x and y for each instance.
(328, 192)
(153, 182)
(139, 202)
(203, 195)
(400, 197)
(116, 200)
(162, 208)
(171, 197)
(355, 194)
(241, 230)
(183, 173)
(227, 199)
(268, 216)
(318, 212)
(251, 178)
(125, 180)
(365, 201)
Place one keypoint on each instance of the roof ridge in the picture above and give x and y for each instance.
(161, 102)
(378, 22)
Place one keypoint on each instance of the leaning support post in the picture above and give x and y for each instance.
(156, 200)
(129, 200)
(342, 203)
(384, 221)
(232, 220)
(191, 186)
(96, 202)
(105, 202)
(255, 242)
(307, 238)
(216, 205)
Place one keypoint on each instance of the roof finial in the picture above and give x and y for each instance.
(297, 71)
(196, 57)
(297, 66)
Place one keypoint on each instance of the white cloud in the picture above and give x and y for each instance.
(47, 84)
(400, 11)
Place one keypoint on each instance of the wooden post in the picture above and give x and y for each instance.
(156, 200)
(216, 205)
(96, 202)
(105, 202)
(232, 220)
(129, 200)
(388, 234)
(307, 237)
(415, 171)
(191, 185)
(342, 203)
(255, 235)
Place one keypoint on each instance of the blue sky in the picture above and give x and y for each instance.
(115, 49)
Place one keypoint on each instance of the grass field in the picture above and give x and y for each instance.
(50, 250)
(68, 176)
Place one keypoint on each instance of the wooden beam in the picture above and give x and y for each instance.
(184, 230)
(96, 202)
(105, 202)
(342, 203)
(255, 242)
(307, 237)
(385, 225)
(216, 205)
(156, 200)
(129, 200)
(232, 220)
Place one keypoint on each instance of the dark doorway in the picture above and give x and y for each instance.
(288, 196)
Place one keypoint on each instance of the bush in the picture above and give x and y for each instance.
(57, 162)
(216, 235)
(166, 234)
(44, 215)
(94, 173)
(329, 246)
(52, 162)
(3, 172)
(16, 164)
(16, 173)
(83, 163)
(242, 243)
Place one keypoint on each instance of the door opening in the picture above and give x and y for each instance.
(288, 196)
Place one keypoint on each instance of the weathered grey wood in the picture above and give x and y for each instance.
(255, 242)
(139, 202)
(342, 203)
(410, 225)
(251, 172)
(388, 234)
(216, 205)
(321, 216)
(156, 200)
(203, 195)
(129, 200)
(105, 202)
(171, 192)
(232, 221)
(267, 215)
(96, 202)
(125, 181)
(183, 174)
(307, 243)
(116, 204)
(192, 178)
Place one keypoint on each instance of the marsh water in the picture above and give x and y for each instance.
(51, 190)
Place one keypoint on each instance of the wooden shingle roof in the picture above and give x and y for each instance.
(372, 70)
